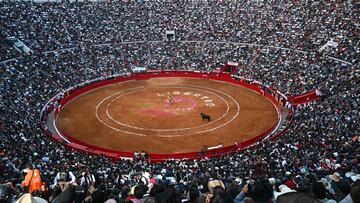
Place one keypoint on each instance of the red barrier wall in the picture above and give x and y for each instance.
(304, 98)
(81, 146)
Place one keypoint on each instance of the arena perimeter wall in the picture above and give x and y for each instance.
(81, 146)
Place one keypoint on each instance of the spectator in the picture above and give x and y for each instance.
(64, 176)
(342, 190)
(139, 193)
(255, 192)
(214, 182)
(355, 192)
(193, 195)
(319, 191)
(32, 181)
(28, 198)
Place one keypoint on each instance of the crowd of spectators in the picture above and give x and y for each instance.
(293, 24)
(7, 51)
(317, 159)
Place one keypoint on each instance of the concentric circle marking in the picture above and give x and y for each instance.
(122, 93)
(164, 130)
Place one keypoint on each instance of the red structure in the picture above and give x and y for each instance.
(230, 67)
(305, 97)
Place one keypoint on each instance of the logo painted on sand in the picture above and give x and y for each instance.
(206, 99)
(181, 102)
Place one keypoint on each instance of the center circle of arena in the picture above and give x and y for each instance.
(166, 101)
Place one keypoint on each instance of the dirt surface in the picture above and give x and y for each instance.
(138, 115)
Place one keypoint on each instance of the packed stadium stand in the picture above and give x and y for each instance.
(294, 46)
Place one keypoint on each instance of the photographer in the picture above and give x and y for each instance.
(64, 176)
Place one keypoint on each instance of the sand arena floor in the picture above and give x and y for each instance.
(136, 115)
